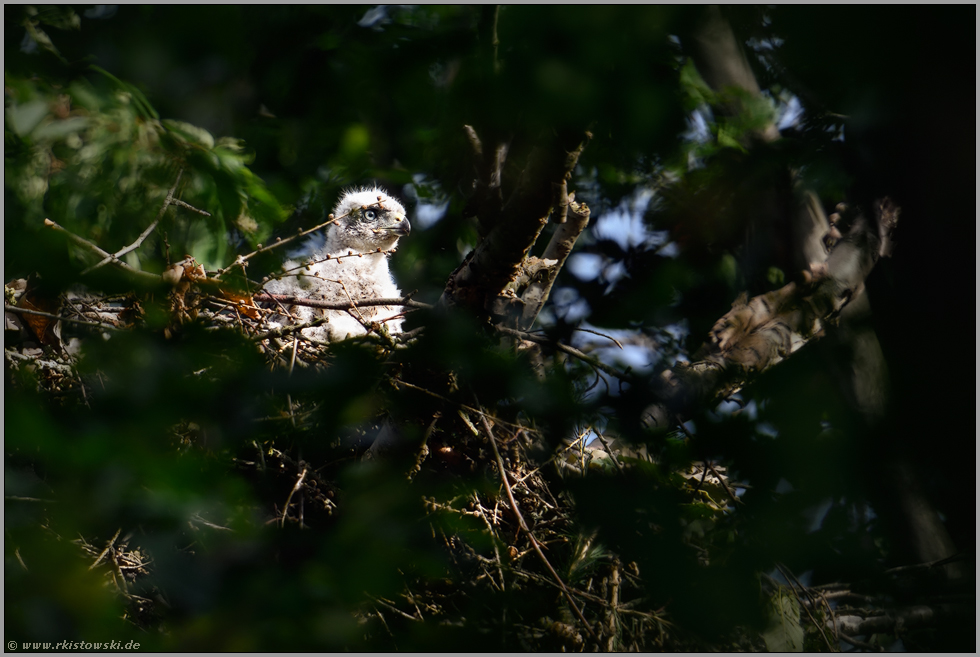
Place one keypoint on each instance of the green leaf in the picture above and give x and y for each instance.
(139, 99)
(22, 119)
(56, 130)
(783, 633)
(727, 138)
(190, 133)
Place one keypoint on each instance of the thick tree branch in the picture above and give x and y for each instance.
(854, 351)
(907, 618)
(497, 260)
(762, 332)
(722, 63)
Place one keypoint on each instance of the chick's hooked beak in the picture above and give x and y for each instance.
(399, 225)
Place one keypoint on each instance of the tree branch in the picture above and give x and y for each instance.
(241, 260)
(504, 476)
(722, 63)
(315, 303)
(561, 244)
(762, 332)
(167, 202)
(497, 260)
(81, 241)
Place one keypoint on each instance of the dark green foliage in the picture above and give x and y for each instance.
(243, 483)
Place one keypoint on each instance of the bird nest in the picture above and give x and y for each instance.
(501, 538)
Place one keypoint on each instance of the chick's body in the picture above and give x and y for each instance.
(368, 224)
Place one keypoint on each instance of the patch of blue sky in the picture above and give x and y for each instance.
(789, 112)
(613, 273)
(735, 405)
(585, 266)
(430, 206)
(428, 214)
(698, 126)
(678, 330)
(640, 359)
(815, 515)
(764, 45)
(586, 340)
(624, 224)
(569, 305)
(766, 429)
(727, 407)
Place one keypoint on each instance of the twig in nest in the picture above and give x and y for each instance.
(859, 644)
(527, 530)
(721, 480)
(399, 382)
(614, 582)
(27, 311)
(296, 487)
(286, 330)
(326, 305)
(619, 466)
(791, 578)
(107, 549)
(496, 548)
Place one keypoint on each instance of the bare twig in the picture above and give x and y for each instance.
(296, 487)
(614, 582)
(798, 588)
(316, 303)
(277, 244)
(594, 362)
(81, 241)
(602, 335)
(107, 549)
(619, 466)
(190, 207)
(399, 382)
(27, 311)
(139, 240)
(859, 644)
(496, 548)
(327, 258)
(523, 525)
(290, 329)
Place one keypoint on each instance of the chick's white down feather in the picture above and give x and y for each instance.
(368, 223)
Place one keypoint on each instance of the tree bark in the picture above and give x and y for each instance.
(480, 284)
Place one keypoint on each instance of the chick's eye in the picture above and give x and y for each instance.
(370, 215)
